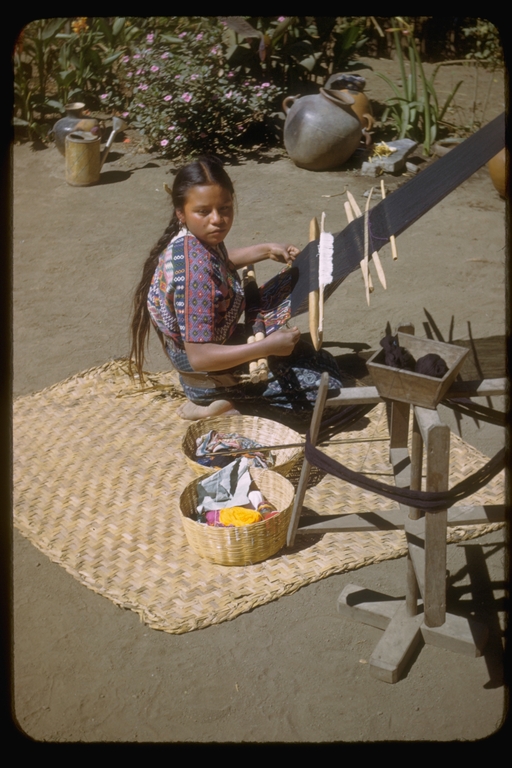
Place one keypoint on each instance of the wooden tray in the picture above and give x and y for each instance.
(415, 388)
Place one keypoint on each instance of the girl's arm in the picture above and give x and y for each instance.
(219, 357)
(282, 252)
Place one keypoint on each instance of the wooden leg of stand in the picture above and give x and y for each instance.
(438, 458)
(306, 466)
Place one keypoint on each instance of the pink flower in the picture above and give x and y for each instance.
(165, 55)
(281, 18)
(171, 128)
(139, 72)
(124, 114)
(265, 85)
(129, 74)
(231, 74)
(229, 94)
(178, 138)
(104, 96)
(194, 77)
(125, 59)
(182, 34)
(164, 142)
(186, 97)
(136, 55)
(150, 37)
(143, 87)
(177, 77)
(214, 50)
(154, 68)
(168, 97)
(199, 36)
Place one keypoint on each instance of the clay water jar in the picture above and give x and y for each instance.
(321, 131)
(497, 166)
(74, 120)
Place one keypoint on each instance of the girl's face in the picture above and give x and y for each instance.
(208, 213)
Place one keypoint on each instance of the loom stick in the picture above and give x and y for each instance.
(314, 234)
(258, 369)
(375, 255)
(366, 277)
(392, 238)
(366, 269)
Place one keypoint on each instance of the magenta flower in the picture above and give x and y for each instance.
(177, 77)
(139, 72)
(186, 97)
(199, 36)
(150, 37)
(265, 85)
(165, 55)
(143, 87)
(281, 18)
(129, 74)
(229, 94)
(104, 96)
(164, 142)
(168, 97)
(136, 55)
(194, 77)
(178, 138)
(231, 74)
(125, 114)
(182, 34)
(171, 128)
(154, 68)
(125, 59)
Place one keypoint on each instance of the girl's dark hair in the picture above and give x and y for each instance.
(202, 172)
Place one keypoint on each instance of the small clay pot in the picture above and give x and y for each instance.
(73, 121)
(497, 166)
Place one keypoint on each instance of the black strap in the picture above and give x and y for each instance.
(431, 501)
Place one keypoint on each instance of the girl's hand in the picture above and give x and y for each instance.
(282, 343)
(283, 253)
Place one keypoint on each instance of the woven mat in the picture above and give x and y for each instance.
(97, 476)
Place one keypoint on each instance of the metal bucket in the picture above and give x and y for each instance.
(83, 160)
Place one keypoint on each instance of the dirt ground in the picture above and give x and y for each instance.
(292, 670)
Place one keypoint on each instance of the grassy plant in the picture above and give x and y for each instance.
(415, 109)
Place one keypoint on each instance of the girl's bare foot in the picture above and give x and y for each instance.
(193, 412)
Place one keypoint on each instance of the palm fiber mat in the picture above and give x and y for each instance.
(98, 472)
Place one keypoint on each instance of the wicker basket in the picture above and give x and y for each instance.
(262, 431)
(246, 544)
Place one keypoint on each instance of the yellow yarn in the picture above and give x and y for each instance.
(239, 516)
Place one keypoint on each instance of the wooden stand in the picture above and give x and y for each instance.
(422, 615)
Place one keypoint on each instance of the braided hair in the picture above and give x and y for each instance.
(204, 171)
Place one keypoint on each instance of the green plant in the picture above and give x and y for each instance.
(183, 95)
(34, 58)
(292, 51)
(415, 112)
(87, 58)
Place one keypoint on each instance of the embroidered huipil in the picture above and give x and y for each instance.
(196, 294)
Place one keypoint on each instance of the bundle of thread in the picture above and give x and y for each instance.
(235, 516)
(214, 441)
(398, 357)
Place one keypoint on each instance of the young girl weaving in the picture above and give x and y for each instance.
(191, 293)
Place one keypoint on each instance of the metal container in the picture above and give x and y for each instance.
(83, 159)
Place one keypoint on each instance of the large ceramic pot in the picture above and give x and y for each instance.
(322, 131)
(497, 166)
(74, 120)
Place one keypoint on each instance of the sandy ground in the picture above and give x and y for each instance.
(293, 670)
